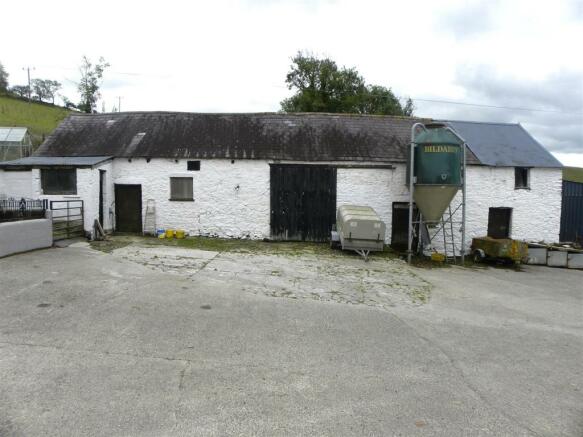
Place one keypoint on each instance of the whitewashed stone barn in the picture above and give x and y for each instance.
(276, 176)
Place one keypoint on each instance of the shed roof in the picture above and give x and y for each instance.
(12, 134)
(504, 145)
(296, 137)
(54, 161)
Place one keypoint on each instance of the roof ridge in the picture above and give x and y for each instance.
(498, 123)
(280, 114)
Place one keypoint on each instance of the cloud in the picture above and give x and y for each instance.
(470, 18)
(561, 94)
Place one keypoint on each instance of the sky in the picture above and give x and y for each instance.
(520, 60)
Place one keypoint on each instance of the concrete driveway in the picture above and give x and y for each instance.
(154, 342)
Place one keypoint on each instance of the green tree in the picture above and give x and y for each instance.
(3, 79)
(321, 86)
(88, 86)
(20, 90)
(45, 89)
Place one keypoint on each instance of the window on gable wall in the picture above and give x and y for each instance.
(59, 180)
(181, 189)
(521, 177)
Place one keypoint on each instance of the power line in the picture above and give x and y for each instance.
(451, 102)
(480, 105)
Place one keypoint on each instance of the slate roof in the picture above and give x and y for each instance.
(273, 136)
(277, 136)
(504, 145)
(54, 161)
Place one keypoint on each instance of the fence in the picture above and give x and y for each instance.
(67, 219)
(23, 209)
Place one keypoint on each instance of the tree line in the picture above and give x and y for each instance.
(319, 85)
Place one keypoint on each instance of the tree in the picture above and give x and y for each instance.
(67, 103)
(45, 89)
(3, 79)
(20, 90)
(90, 83)
(323, 87)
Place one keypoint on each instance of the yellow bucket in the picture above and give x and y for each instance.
(179, 233)
(169, 233)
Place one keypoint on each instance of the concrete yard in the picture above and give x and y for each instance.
(153, 340)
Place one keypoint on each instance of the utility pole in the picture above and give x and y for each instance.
(119, 103)
(28, 73)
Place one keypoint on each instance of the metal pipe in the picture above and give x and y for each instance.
(411, 178)
(463, 249)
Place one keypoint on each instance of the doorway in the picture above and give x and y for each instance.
(303, 202)
(128, 208)
(499, 220)
(101, 197)
(400, 226)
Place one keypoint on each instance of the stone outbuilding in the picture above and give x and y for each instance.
(276, 176)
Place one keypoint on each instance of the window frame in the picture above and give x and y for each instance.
(194, 164)
(526, 186)
(52, 191)
(173, 198)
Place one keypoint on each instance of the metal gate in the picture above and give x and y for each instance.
(67, 219)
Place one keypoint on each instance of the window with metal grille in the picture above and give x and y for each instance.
(193, 165)
(59, 181)
(521, 177)
(181, 189)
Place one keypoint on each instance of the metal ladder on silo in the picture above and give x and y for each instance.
(449, 248)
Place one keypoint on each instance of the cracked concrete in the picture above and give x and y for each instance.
(381, 283)
(106, 344)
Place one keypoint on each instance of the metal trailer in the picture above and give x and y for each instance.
(358, 228)
(503, 249)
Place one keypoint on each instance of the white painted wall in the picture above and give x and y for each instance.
(377, 188)
(15, 184)
(536, 212)
(87, 190)
(219, 207)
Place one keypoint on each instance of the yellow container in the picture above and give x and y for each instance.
(161, 236)
(169, 233)
(437, 257)
(179, 233)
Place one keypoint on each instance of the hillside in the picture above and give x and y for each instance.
(40, 118)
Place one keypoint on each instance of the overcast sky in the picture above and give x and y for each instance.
(232, 56)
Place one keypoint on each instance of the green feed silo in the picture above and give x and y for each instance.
(438, 171)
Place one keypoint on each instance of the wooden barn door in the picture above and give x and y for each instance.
(303, 202)
(128, 208)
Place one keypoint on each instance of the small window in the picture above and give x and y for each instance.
(181, 189)
(193, 165)
(521, 177)
(59, 181)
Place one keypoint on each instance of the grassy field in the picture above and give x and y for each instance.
(40, 119)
